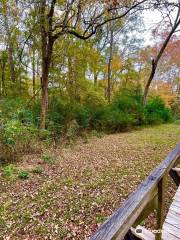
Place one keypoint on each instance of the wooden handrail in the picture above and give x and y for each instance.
(117, 226)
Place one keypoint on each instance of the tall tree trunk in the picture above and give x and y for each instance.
(110, 62)
(1, 89)
(156, 60)
(95, 79)
(3, 66)
(3, 79)
(146, 89)
(47, 42)
(46, 60)
(33, 72)
(44, 100)
(9, 43)
(71, 81)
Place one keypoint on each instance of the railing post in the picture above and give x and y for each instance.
(161, 206)
(175, 177)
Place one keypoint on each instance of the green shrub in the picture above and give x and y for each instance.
(24, 174)
(25, 116)
(9, 171)
(80, 114)
(36, 109)
(96, 117)
(73, 130)
(57, 115)
(130, 102)
(125, 110)
(16, 139)
(115, 121)
(176, 109)
(19, 132)
(93, 100)
(62, 114)
(48, 159)
(156, 112)
(9, 108)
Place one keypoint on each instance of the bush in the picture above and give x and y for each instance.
(19, 131)
(73, 129)
(78, 113)
(116, 121)
(130, 102)
(16, 139)
(24, 174)
(25, 116)
(156, 112)
(9, 171)
(9, 108)
(63, 113)
(57, 115)
(48, 159)
(35, 110)
(124, 111)
(176, 109)
(93, 100)
(127, 110)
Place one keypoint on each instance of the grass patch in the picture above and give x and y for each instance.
(9, 171)
(38, 170)
(23, 174)
(48, 159)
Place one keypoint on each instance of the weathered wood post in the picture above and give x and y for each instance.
(161, 207)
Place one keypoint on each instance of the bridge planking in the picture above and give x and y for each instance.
(172, 221)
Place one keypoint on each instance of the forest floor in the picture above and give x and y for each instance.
(80, 185)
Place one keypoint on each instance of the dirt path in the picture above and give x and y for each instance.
(83, 186)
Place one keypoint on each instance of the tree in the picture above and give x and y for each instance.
(3, 63)
(79, 18)
(111, 43)
(8, 31)
(169, 65)
(154, 63)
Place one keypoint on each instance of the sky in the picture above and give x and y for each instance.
(151, 19)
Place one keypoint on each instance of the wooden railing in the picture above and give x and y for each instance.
(146, 198)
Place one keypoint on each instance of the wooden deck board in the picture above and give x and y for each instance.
(171, 229)
(172, 215)
(176, 203)
(169, 236)
(177, 195)
(174, 208)
(172, 221)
